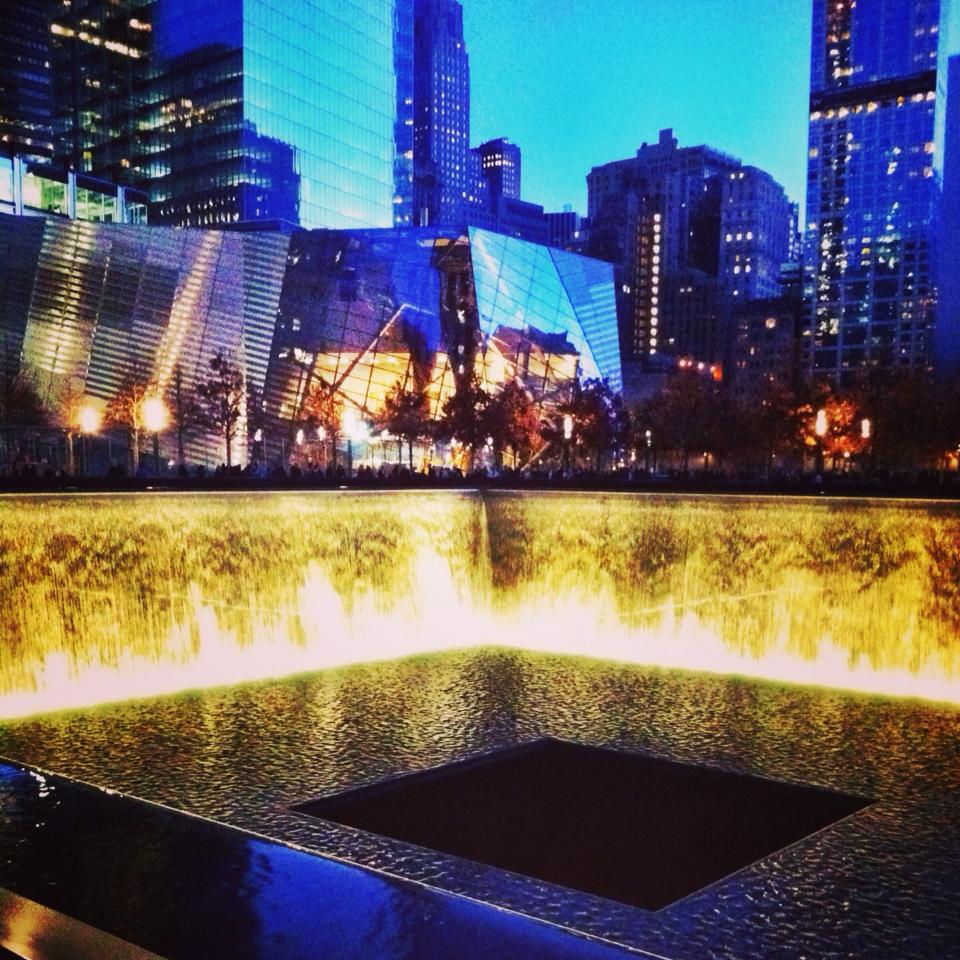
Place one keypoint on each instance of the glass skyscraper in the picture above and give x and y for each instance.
(236, 110)
(873, 185)
(25, 100)
(441, 114)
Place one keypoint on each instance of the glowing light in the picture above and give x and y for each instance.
(156, 417)
(866, 429)
(258, 437)
(821, 425)
(300, 613)
(89, 419)
(354, 428)
(300, 437)
(321, 433)
(567, 427)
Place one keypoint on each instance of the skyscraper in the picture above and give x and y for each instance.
(25, 101)
(947, 339)
(872, 186)
(254, 110)
(500, 164)
(441, 128)
(662, 217)
(756, 221)
(101, 67)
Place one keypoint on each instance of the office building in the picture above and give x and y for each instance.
(662, 218)
(441, 128)
(756, 220)
(764, 347)
(101, 63)
(873, 186)
(26, 121)
(566, 229)
(947, 337)
(254, 110)
(499, 163)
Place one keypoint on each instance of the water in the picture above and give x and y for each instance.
(107, 598)
(883, 884)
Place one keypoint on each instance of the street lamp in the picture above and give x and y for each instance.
(156, 417)
(820, 428)
(354, 429)
(567, 437)
(648, 436)
(89, 419)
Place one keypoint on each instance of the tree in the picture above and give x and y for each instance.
(223, 401)
(766, 424)
(125, 410)
(464, 417)
(405, 414)
(513, 422)
(20, 404)
(685, 415)
(323, 408)
(184, 412)
(593, 409)
(832, 425)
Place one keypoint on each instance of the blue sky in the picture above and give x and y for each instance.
(577, 83)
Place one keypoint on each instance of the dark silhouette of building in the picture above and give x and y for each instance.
(499, 163)
(764, 346)
(872, 186)
(441, 101)
(663, 218)
(26, 121)
(566, 230)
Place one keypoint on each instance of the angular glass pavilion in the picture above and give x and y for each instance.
(357, 310)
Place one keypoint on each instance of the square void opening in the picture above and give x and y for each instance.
(631, 828)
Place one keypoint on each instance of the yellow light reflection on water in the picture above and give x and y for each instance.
(113, 599)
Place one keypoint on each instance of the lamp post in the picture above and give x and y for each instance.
(89, 420)
(567, 437)
(866, 433)
(820, 428)
(648, 436)
(155, 419)
(354, 429)
(322, 438)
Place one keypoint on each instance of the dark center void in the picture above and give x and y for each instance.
(631, 828)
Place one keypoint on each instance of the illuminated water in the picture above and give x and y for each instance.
(104, 598)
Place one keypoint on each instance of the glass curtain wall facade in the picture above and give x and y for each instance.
(357, 311)
(434, 309)
(26, 121)
(236, 110)
(276, 111)
(872, 188)
(101, 85)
